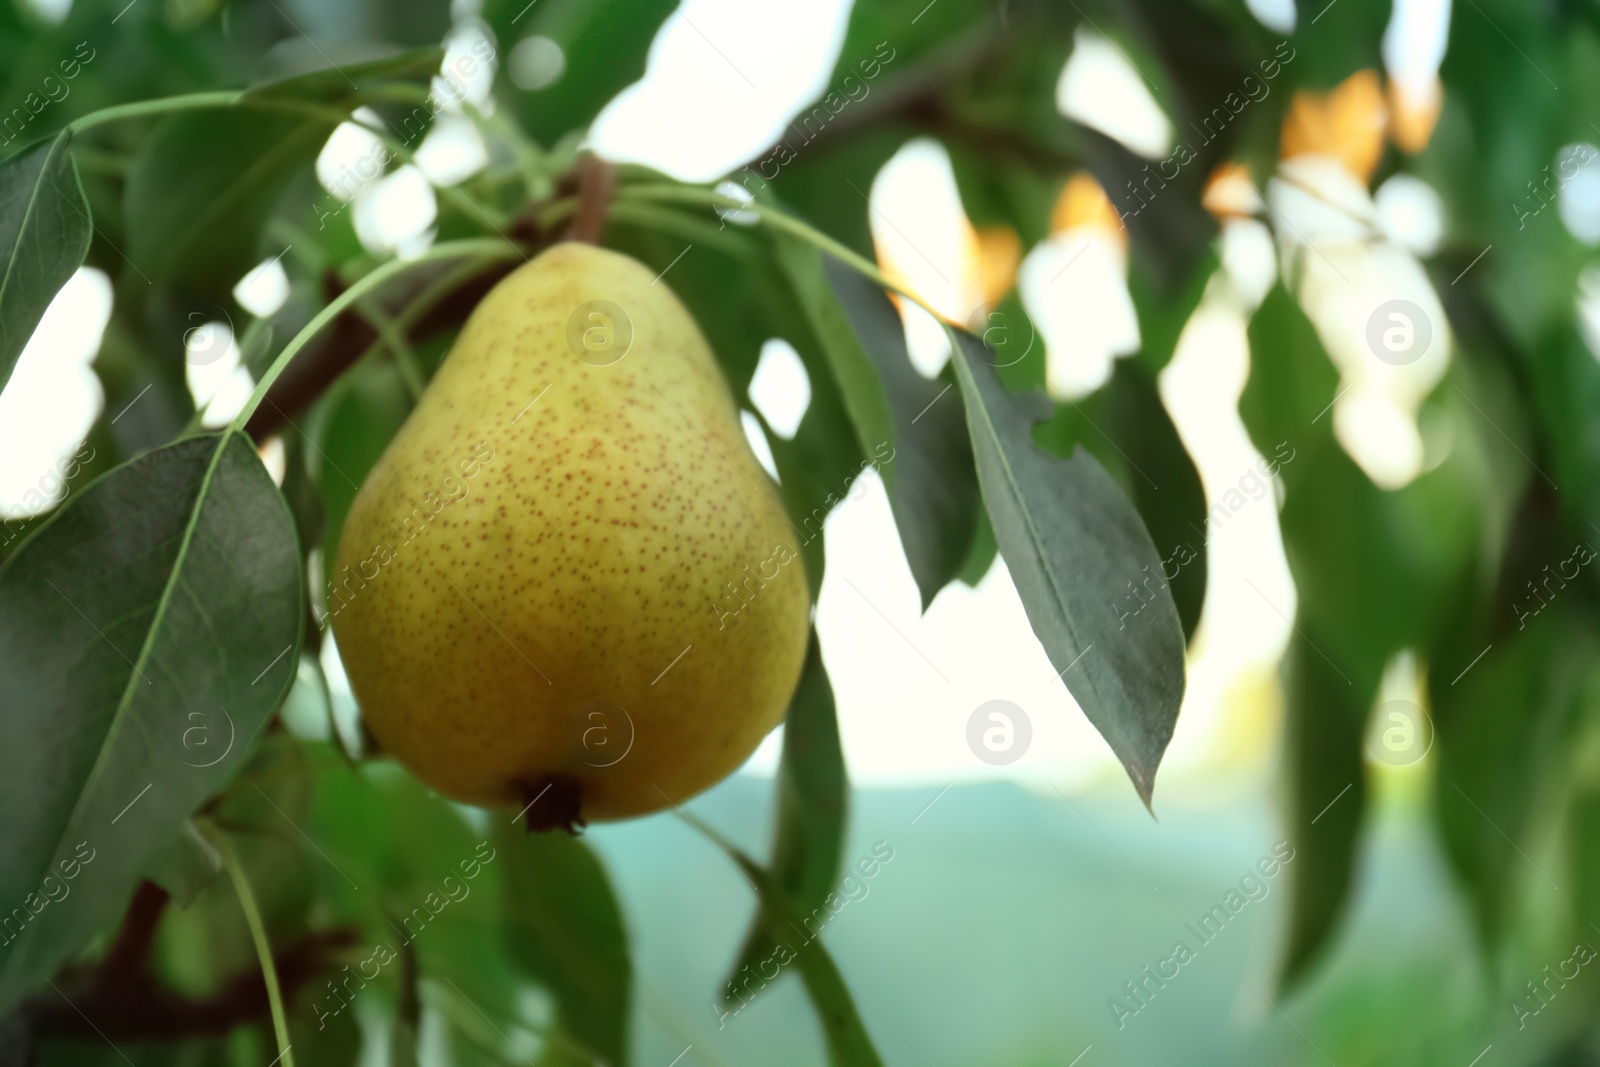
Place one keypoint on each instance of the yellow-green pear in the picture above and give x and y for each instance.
(568, 584)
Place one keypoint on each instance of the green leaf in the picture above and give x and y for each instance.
(1073, 542)
(1509, 686)
(865, 397)
(605, 44)
(147, 632)
(931, 479)
(849, 1044)
(354, 424)
(1325, 710)
(564, 926)
(1374, 568)
(1565, 387)
(984, 550)
(200, 191)
(1375, 571)
(900, 425)
(187, 866)
(1126, 427)
(44, 235)
(818, 467)
(813, 791)
(404, 863)
(1500, 727)
(310, 73)
(812, 181)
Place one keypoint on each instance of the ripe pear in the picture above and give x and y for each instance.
(568, 583)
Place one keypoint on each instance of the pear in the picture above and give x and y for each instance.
(568, 586)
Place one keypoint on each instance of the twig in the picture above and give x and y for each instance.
(130, 953)
(139, 1009)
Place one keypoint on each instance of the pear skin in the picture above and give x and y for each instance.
(568, 583)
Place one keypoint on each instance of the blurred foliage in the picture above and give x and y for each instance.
(405, 927)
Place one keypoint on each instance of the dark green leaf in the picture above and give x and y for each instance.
(1073, 542)
(44, 235)
(1126, 427)
(147, 632)
(1509, 681)
(564, 926)
(604, 42)
(308, 72)
(1376, 572)
(404, 863)
(1325, 719)
(915, 443)
(812, 795)
(865, 396)
(1499, 727)
(187, 865)
(358, 418)
(849, 1044)
(932, 483)
(201, 189)
(984, 549)
(1565, 383)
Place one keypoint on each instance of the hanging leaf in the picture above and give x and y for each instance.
(812, 805)
(44, 235)
(312, 73)
(147, 632)
(565, 927)
(1326, 713)
(1126, 427)
(1073, 542)
(865, 396)
(849, 1044)
(933, 485)
(908, 427)
(187, 866)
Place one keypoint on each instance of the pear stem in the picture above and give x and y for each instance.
(597, 181)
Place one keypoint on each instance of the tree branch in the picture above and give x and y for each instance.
(105, 1005)
(335, 351)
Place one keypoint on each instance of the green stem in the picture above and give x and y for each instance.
(486, 247)
(405, 360)
(423, 303)
(777, 220)
(258, 934)
(160, 106)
